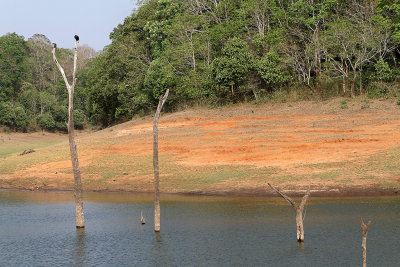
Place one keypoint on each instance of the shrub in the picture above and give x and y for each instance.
(21, 121)
(383, 72)
(79, 119)
(7, 114)
(46, 121)
(343, 104)
(60, 116)
(382, 90)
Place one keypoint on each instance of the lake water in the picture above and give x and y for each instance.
(38, 229)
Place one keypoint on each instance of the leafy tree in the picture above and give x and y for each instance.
(79, 118)
(159, 78)
(21, 119)
(13, 65)
(356, 40)
(7, 114)
(305, 22)
(383, 72)
(390, 9)
(40, 59)
(271, 71)
(47, 101)
(156, 29)
(14, 117)
(235, 63)
(46, 122)
(206, 52)
(60, 116)
(29, 98)
(102, 91)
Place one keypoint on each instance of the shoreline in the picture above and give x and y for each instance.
(232, 152)
(248, 192)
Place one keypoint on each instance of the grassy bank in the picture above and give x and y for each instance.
(228, 150)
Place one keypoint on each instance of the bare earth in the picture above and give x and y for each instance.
(335, 148)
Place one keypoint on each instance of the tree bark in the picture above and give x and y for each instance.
(364, 240)
(255, 93)
(299, 209)
(155, 163)
(353, 83)
(344, 85)
(345, 74)
(317, 59)
(79, 217)
(361, 84)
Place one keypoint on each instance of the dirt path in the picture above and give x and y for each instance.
(234, 149)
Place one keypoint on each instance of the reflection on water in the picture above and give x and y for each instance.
(38, 228)
(79, 247)
(158, 237)
(300, 245)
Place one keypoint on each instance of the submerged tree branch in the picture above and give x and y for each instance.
(364, 240)
(284, 196)
(298, 209)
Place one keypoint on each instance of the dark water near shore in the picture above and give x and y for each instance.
(37, 229)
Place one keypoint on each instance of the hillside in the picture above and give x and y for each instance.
(338, 147)
(206, 53)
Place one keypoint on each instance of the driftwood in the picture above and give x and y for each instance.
(155, 163)
(27, 152)
(364, 229)
(298, 209)
(142, 220)
(71, 136)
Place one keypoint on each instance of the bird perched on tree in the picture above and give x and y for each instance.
(54, 45)
(76, 37)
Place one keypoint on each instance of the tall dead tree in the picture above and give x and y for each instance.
(155, 163)
(71, 136)
(364, 229)
(299, 211)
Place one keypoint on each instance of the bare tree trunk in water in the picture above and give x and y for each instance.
(364, 240)
(155, 163)
(71, 137)
(298, 209)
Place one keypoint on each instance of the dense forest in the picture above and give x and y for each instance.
(207, 52)
(33, 95)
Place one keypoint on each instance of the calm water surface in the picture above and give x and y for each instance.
(38, 229)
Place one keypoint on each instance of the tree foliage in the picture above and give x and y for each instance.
(206, 52)
(32, 93)
(13, 65)
(232, 67)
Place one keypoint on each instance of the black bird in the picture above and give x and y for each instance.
(54, 45)
(76, 37)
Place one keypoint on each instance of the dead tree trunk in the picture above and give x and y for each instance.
(155, 163)
(364, 240)
(71, 137)
(142, 219)
(298, 209)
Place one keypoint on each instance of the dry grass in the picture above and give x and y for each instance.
(221, 150)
